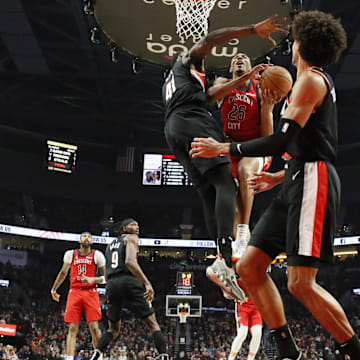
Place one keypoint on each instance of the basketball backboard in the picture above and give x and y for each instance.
(147, 28)
(172, 302)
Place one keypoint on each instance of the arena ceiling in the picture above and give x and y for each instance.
(55, 83)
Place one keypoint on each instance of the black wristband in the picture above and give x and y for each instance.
(235, 149)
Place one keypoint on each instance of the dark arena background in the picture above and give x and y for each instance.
(81, 131)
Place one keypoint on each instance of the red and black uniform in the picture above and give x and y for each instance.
(241, 116)
(301, 219)
(240, 112)
(82, 296)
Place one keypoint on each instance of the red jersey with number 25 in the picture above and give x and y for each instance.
(240, 113)
(82, 266)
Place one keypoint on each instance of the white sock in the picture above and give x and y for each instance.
(242, 237)
(237, 342)
(242, 232)
(69, 357)
(254, 345)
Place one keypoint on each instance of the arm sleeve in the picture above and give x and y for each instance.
(99, 258)
(68, 256)
(274, 144)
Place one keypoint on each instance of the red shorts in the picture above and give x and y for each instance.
(264, 165)
(79, 300)
(247, 315)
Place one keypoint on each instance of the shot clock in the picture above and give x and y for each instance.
(184, 283)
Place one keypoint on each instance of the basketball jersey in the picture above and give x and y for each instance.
(319, 138)
(240, 113)
(185, 88)
(115, 257)
(82, 266)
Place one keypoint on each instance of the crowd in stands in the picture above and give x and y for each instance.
(41, 332)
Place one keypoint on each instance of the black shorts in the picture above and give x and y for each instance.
(125, 291)
(180, 130)
(301, 219)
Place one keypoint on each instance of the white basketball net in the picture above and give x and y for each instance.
(192, 17)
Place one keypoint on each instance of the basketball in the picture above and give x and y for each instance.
(276, 79)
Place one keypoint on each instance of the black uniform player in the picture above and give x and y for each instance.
(127, 286)
(301, 219)
(187, 115)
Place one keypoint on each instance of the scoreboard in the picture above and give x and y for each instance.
(184, 283)
(162, 169)
(61, 157)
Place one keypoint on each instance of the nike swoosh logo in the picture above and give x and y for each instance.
(296, 174)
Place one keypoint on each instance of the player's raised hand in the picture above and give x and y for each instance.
(261, 181)
(270, 25)
(149, 292)
(55, 296)
(268, 98)
(254, 73)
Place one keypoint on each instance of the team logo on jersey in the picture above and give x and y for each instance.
(240, 97)
(285, 127)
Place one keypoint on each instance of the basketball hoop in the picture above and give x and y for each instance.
(192, 17)
(183, 315)
(183, 311)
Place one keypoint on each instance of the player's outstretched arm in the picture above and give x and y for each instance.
(58, 281)
(132, 264)
(223, 86)
(264, 29)
(275, 144)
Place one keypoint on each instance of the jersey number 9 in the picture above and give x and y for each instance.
(114, 259)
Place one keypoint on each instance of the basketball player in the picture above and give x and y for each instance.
(187, 115)
(82, 295)
(246, 113)
(127, 286)
(301, 219)
(247, 317)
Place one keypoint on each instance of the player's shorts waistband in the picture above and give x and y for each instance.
(82, 288)
(120, 274)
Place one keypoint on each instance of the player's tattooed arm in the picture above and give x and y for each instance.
(58, 281)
